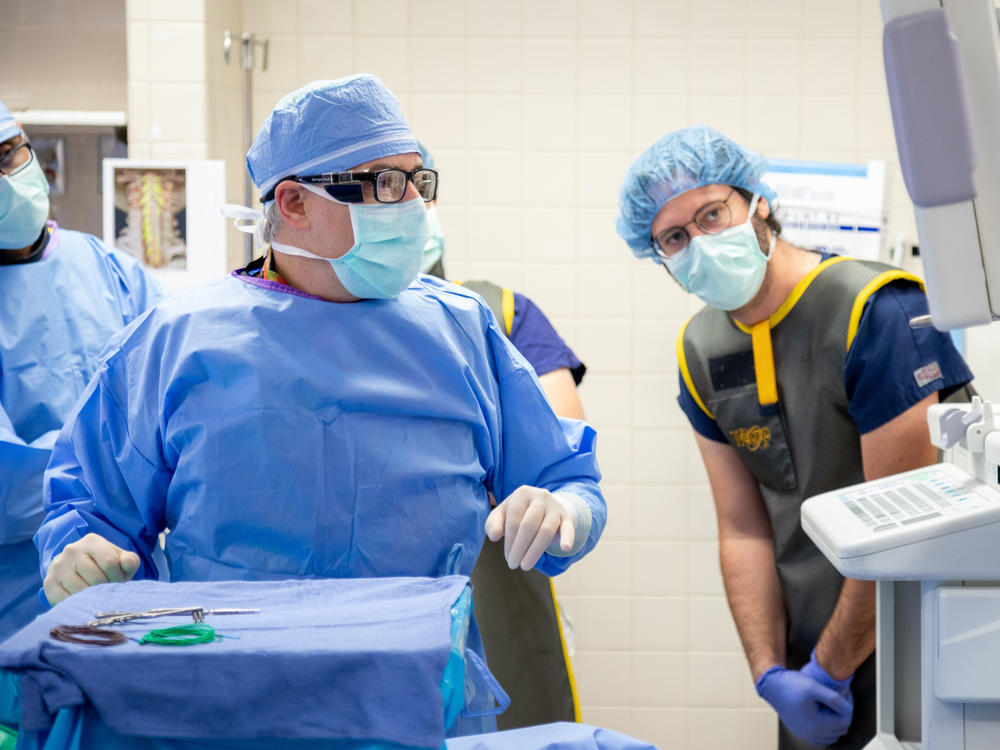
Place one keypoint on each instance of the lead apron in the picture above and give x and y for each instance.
(517, 611)
(797, 439)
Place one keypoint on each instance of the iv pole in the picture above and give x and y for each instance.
(248, 44)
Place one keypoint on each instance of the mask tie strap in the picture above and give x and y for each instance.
(763, 363)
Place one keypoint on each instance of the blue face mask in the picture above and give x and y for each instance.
(24, 206)
(725, 270)
(434, 248)
(388, 242)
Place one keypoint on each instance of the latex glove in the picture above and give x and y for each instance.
(812, 711)
(87, 562)
(529, 521)
(816, 672)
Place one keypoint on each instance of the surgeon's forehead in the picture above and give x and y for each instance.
(409, 162)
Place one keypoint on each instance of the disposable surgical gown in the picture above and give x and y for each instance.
(278, 435)
(56, 314)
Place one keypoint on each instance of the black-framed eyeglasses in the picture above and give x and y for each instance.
(711, 218)
(388, 185)
(16, 159)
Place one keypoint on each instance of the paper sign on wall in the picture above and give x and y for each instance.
(839, 208)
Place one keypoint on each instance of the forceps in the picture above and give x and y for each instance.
(197, 614)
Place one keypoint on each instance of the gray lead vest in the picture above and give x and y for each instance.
(803, 444)
(517, 610)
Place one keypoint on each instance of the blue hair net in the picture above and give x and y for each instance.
(8, 128)
(427, 156)
(329, 126)
(680, 161)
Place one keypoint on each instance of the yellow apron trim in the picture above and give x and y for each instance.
(763, 363)
(868, 290)
(686, 374)
(507, 305)
(797, 292)
(565, 650)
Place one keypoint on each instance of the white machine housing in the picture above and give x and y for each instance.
(945, 100)
(931, 537)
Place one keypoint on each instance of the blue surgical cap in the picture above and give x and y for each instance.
(8, 128)
(425, 155)
(680, 161)
(329, 126)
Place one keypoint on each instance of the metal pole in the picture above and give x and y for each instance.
(246, 62)
(248, 43)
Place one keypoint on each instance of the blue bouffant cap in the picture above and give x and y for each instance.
(426, 156)
(8, 128)
(329, 126)
(681, 161)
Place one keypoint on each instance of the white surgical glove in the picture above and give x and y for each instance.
(87, 562)
(533, 521)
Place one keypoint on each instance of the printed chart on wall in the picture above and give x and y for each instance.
(829, 206)
(167, 215)
(151, 215)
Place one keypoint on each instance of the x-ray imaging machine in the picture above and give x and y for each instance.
(931, 537)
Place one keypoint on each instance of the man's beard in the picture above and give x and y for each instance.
(760, 229)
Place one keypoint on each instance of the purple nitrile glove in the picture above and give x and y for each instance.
(812, 711)
(814, 670)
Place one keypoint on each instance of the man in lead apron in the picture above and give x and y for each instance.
(518, 613)
(801, 375)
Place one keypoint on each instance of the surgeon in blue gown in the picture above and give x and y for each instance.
(62, 294)
(325, 412)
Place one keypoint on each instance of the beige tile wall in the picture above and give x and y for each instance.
(62, 54)
(184, 99)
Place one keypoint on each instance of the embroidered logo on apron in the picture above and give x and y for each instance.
(752, 438)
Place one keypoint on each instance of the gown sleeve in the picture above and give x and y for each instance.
(539, 449)
(21, 467)
(99, 480)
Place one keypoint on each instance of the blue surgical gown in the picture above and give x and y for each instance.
(278, 435)
(56, 314)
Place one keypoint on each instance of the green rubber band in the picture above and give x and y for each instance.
(181, 635)
(8, 738)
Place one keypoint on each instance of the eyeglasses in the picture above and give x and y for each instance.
(15, 159)
(711, 218)
(388, 185)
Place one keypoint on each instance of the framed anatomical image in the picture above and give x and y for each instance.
(151, 215)
(167, 216)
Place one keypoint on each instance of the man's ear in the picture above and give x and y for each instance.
(291, 205)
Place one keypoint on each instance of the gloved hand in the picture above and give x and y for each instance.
(812, 711)
(529, 520)
(816, 672)
(87, 562)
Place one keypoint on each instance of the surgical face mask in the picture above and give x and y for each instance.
(726, 269)
(24, 206)
(434, 248)
(389, 239)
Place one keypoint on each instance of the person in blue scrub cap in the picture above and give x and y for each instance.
(519, 616)
(326, 411)
(799, 376)
(62, 295)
